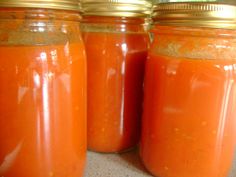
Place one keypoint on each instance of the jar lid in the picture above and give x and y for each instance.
(48, 4)
(196, 14)
(164, 1)
(117, 8)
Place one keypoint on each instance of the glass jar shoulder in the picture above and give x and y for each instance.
(114, 24)
(194, 43)
(38, 27)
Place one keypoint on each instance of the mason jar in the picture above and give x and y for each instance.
(189, 119)
(43, 89)
(116, 42)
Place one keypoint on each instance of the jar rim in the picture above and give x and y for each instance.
(195, 14)
(73, 5)
(120, 8)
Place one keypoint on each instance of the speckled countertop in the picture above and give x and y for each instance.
(120, 165)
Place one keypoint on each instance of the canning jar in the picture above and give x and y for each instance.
(116, 42)
(43, 89)
(189, 119)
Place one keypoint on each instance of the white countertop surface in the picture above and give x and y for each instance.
(120, 165)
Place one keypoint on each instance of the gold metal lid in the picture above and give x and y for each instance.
(196, 14)
(48, 4)
(169, 1)
(120, 8)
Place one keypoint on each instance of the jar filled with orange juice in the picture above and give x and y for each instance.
(189, 119)
(116, 43)
(43, 89)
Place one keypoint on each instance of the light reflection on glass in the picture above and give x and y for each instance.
(228, 90)
(124, 49)
(36, 79)
(45, 106)
(123, 28)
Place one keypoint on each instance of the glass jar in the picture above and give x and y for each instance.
(189, 123)
(116, 46)
(43, 90)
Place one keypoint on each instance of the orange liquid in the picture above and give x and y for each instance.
(115, 88)
(42, 111)
(189, 119)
